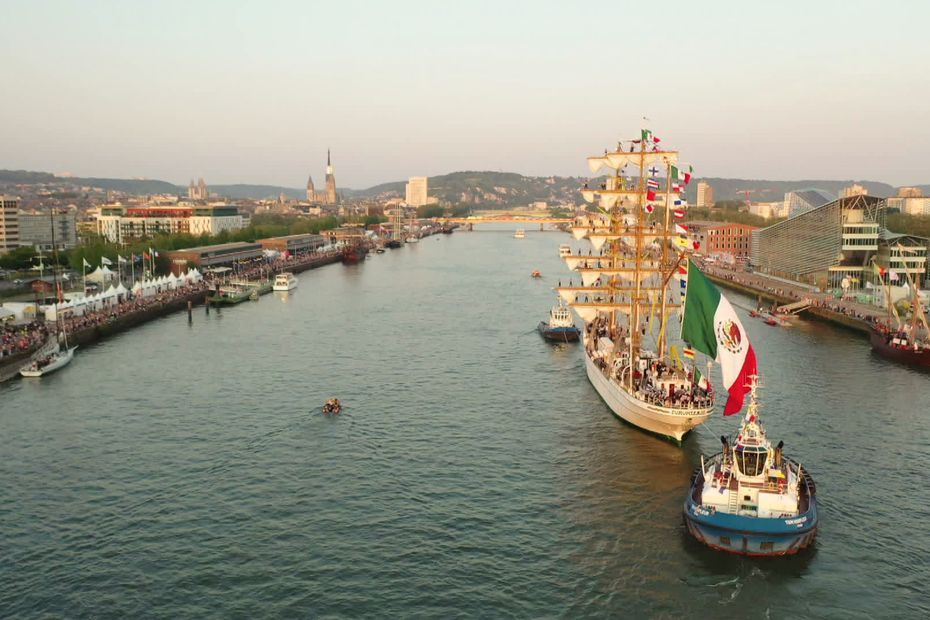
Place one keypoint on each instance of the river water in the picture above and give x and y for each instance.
(185, 470)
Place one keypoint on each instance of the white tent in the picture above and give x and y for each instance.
(101, 275)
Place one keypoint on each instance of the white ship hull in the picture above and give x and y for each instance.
(290, 286)
(60, 360)
(665, 421)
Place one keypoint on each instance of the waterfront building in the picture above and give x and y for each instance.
(328, 196)
(836, 243)
(417, 191)
(705, 194)
(220, 255)
(722, 238)
(120, 223)
(35, 229)
(198, 191)
(853, 190)
(9, 223)
(803, 200)
(294, 243)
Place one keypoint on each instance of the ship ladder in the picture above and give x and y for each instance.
(733, 502)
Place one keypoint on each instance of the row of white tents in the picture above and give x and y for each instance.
(114, 295)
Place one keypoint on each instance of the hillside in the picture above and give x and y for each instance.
(487, 189)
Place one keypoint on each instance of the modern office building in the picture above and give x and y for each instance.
(9, 223)
(705, 194)
(35, 229)
(119, 223)
(836, 243)
(804, 200)
(417, 191)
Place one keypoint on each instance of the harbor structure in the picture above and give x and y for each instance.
(119, 223)
(835, 245)
(220, 255)
(705, 194)
(9, 223)
(294, 244)
(328, 196)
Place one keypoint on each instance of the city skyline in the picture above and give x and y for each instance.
(232, 93)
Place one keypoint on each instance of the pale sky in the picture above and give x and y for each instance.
(254, 92)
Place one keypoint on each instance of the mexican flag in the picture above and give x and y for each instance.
(711, 326)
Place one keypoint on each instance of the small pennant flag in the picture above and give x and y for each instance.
(678, 187)
(688, 352)
(684, 284)
(145, 255)
(652, 184)
(656, 139)
(697, 245)
(893, 276)
(682, 243)
(105, 261)
(86, 264)
(120, 259)
(646, 135)
(650, 194)
(649, 208)
(681, 229)
(683, 271)
(653, 171)
(678, 213)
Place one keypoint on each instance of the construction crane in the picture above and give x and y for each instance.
(751, 191)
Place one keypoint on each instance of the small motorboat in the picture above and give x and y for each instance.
(332, 406)
(770, 320)
(536, 274)
(380, 251)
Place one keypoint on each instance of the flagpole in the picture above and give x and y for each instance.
(132, 262)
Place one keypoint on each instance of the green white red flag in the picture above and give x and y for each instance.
(711, 326)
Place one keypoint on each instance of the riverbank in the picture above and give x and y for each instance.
(859, 322)
(115, 321)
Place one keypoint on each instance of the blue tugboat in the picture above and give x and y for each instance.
(561, 327)
(750, 499)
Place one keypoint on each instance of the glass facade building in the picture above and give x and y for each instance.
(836, 244)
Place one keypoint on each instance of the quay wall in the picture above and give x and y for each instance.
(821, 314)
(9, 366)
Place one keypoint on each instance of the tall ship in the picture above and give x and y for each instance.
(901, 340)
(633, 291)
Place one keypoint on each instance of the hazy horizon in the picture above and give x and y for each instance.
(241, 92)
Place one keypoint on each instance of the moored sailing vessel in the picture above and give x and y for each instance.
(633, 285)
(907, 342)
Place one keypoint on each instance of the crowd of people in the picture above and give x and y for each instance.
(18, 338)
(846, 307)
(656, 382)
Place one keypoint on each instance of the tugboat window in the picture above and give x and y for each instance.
(750, 462)
(724, 540)
(766, 546)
